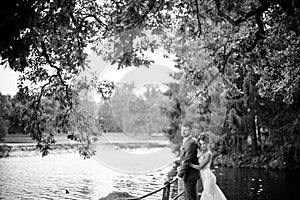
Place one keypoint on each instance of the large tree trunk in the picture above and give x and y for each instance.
(252, 93)
(239, 143)
(259, 133)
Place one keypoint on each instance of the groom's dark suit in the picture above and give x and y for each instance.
(188, 174)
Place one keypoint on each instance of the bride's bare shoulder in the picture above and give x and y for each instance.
(208, 153)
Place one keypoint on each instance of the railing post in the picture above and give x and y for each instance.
(166, 191)
(180, 188)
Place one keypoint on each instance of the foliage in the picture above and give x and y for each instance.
(134, 111)
(5, 109)
(247, 49)
(45, 42)
(174, 110)
(183, 106)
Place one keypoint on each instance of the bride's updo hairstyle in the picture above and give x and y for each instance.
(206, 137)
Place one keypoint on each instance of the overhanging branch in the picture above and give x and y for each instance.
(241, 19)
(58, 70)
(96, 18)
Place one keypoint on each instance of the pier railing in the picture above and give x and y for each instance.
(166, 191)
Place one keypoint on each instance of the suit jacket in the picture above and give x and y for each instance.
(188, 155)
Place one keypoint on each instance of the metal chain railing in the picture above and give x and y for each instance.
(166, 191)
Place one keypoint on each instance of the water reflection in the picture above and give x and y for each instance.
(258, 184)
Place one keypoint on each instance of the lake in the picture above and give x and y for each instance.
(256, 184)
(27, 175)
(68, 176)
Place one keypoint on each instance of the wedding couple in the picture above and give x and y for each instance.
(196, 158)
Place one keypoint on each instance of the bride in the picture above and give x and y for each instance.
(211, 190)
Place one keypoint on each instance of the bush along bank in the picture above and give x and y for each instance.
(4, 150)
(272, 160)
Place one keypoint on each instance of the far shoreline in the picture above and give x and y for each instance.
(123, 141)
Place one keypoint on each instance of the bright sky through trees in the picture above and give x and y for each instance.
(9, 78)
(8, 81)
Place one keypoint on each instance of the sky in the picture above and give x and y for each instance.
(8, 81)
(157, 73)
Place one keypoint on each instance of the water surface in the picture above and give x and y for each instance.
(69, 176)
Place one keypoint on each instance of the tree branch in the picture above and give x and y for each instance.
(59, 70)
(206, 86)
(249, 14)
(198, 18)
(42, 91)
(160, 5)
(259, 33)
(45, 54)
(96, 18)
(151, 6)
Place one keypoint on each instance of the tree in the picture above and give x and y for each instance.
(232, 38)
(45, 41)
(134, 111)
(5, 109)
(105, 112)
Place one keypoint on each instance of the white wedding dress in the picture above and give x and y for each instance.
(211, 190)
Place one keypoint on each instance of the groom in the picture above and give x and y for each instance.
(188, 155)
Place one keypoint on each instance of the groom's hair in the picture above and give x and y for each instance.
(186, 124)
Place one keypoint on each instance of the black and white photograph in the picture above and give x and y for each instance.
(149, 99)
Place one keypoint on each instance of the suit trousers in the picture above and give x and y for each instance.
(190, 189)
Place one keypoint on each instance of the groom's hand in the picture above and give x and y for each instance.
(180, 174)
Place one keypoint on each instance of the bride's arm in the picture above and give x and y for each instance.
(205, 160)
(194, 166)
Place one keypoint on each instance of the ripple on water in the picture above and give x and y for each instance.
(36, 177)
